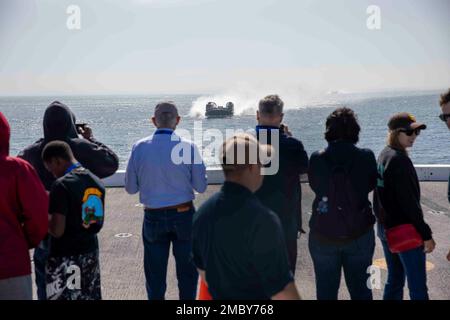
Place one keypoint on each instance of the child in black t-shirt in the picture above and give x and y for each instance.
(76, 212)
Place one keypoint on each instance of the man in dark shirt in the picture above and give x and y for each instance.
(238, 244)
(281, 192)
(76, 211)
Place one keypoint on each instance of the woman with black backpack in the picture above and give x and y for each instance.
(341, 227)
(405, 236)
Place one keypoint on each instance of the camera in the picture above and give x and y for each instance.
(80, 127)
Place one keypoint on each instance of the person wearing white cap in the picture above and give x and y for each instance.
(166, 189)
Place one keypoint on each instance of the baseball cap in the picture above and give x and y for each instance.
(406, 121)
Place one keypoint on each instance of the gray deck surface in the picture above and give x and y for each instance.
(122, 257)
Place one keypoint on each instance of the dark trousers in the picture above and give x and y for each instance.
(292, 253)
(354, 257)
(162, 228)
(409, 265)
(40, 258)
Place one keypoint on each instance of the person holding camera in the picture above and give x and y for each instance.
(281, 192)
(76, 216)
(59, 124)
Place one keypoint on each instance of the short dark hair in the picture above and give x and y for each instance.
(271, 105)
(241, 151)
(57, 149)
(445, 98)
(342, 124)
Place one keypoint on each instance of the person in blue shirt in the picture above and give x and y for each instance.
(166, 169)
(445, 116)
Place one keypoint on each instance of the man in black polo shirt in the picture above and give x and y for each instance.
(76, 211)
(238, 244)
(281, 192)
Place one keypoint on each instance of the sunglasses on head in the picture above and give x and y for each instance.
(444, 117)
(409, 132)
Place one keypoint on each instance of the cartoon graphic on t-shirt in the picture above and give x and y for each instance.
(92, 208)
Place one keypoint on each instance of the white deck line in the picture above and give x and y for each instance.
(426, 172)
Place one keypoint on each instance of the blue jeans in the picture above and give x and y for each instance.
(160, 229)
(354, 257)
(40, 258)
(409, 265)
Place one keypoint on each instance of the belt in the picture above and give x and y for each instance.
(182, 207)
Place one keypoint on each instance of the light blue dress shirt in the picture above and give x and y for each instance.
(165, 169)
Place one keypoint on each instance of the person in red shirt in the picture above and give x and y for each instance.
(23, 219)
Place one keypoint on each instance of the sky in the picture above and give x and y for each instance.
(207, 46)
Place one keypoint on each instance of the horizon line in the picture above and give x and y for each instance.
(100, 94)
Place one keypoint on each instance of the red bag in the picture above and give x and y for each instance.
(403, 238)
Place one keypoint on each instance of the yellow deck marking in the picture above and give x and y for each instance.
(381, 263)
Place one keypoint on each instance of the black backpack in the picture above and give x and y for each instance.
(340, 214)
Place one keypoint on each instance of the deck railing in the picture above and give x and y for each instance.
(426, 172)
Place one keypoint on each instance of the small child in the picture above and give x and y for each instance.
(76, 215)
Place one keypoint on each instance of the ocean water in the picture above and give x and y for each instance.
(119, 121)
